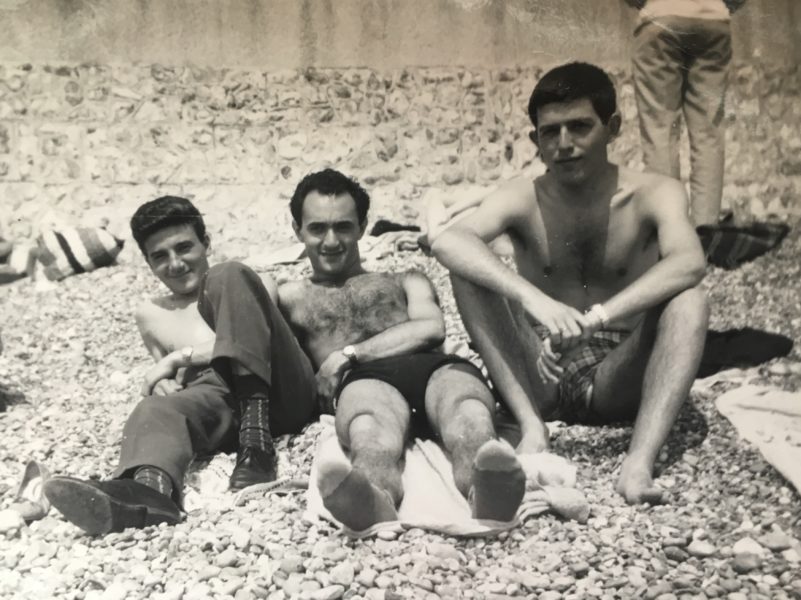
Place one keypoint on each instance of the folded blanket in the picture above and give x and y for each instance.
(728, 246)
(770, 419)
(431, 500)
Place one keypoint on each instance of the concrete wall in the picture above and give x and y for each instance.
(104, 105)
(381, 34)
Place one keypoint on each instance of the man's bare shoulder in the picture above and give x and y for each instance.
(157, 306)
(291, 292)
(517, 190)
(647, 185)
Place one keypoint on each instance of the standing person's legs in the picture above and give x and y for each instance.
(704, 113)
(509, 347)
(160, 439)
(658, 71)
(255, 351)
(460, 409)
(372, 424)
(650, 375)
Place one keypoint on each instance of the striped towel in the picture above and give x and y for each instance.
(728, 246)
(76, 250)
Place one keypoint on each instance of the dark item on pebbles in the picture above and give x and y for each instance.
(100, 507)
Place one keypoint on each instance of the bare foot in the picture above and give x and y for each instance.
(636, 484)
(534, 441)
(352, 499)
(499, 482)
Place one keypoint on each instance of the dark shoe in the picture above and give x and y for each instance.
(100, 507)
(253, 465)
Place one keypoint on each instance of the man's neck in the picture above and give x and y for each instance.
(184, 299)
(339, 279)
(598, 185)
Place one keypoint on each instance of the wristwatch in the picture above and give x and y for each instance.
(350, 353)
(186, 355)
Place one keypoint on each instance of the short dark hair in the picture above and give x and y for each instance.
(329, 182)
(166, 211)
(574, 81)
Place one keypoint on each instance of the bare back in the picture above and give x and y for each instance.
(584, 254)
(325, 318)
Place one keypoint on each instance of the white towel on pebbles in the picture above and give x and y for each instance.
(431, 500)
(770, 419)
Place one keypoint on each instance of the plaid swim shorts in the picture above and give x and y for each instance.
(574, 402)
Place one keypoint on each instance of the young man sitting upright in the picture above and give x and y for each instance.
(603, 319)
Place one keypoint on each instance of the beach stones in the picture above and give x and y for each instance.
(745, 562)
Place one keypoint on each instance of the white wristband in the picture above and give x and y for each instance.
(186, 355)
(600, 312)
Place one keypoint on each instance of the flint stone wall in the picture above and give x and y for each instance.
(84, 142)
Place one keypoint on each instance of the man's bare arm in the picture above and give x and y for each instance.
(462, 248)
(681, 266)
(161, 376)
(424, 330)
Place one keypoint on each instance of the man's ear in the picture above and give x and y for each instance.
(296, 229)
(207, 240)
(535, 139)
(362, 228)
(614, 124)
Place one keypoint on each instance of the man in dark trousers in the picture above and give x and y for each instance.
(229, 374)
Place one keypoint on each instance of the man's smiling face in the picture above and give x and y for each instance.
(331, 231)
(178, 258)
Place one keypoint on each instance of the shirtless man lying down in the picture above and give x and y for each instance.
(373, 339)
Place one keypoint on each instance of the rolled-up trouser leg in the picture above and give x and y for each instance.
(251, 331)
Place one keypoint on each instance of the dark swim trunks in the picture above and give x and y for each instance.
(409, 374)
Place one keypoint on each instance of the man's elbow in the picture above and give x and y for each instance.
(435, 334)
(696, 270)
(439, 244)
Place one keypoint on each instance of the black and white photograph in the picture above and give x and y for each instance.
(400, 299)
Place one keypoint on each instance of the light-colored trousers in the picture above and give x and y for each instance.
(681, 65)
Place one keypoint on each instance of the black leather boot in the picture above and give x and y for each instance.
(254, 465)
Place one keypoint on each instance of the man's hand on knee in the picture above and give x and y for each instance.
(164, 369)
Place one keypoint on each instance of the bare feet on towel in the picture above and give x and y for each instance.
(499, 482)
(636, 484)
(352, 499)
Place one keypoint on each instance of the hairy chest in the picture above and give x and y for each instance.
(364, 306)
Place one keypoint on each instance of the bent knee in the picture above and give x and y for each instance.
(153, 407)
(229, 269)
(691, 308)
